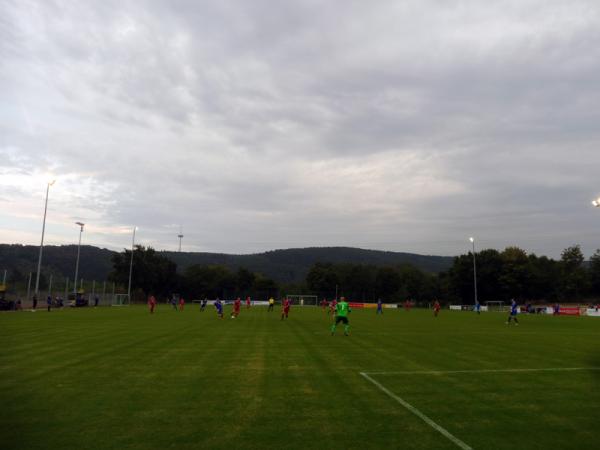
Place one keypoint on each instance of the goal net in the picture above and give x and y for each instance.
(303, 300)
(495, 306)
(120, 300)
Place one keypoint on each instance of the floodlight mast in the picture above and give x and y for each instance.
(474, 270)
(81, 224)
(131, 265)
(39, 267)
(180, 236)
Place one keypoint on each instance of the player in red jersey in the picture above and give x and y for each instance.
(436, 308)
(181, 303)
(324, 304)
(151, 303)
(286, 309)
(248, 302)
(236, 308)
(332, 306)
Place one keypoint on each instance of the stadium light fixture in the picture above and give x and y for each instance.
(81, 224)
(472, 239)
(39, 266)
(596, 202)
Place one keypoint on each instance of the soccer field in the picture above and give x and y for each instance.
(116, 378)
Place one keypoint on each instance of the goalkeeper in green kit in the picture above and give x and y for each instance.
(341, 315)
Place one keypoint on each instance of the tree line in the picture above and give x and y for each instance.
(156, 274)
(501, 275)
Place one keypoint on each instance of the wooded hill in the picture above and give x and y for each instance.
(283, 266)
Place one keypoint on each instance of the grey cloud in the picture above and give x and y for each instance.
(255, 120)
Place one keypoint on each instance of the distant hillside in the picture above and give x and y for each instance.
(94, 262)
(289, 265)
(292, 265)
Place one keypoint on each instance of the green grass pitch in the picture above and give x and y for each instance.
(116, 378)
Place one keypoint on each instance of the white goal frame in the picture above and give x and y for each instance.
(495, 306)
(120, 300)
(303, 300)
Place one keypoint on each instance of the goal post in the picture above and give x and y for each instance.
(120, 300)
(303, 300)
(495, 306)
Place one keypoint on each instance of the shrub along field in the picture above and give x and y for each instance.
(114, 378)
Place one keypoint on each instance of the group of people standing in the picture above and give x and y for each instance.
(178, 303)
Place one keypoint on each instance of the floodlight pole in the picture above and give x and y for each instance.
(180, 236)
(39, 266)
(474, 271)
(78, 252)
(29, 286)
(131, 266)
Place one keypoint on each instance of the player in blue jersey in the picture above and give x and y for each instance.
(478, 308)
(513, 312)
(219, 307)
(379, 307)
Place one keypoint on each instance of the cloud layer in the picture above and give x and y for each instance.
(257, 125)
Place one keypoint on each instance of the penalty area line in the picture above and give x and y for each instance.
(450, 372)
(418, 413)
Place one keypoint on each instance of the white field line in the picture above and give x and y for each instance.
(418, 413)
(450, 372)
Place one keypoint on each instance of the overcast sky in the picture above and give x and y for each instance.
(257, 125)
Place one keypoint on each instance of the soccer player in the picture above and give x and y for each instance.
(174, 303)
(436, 308)
(181, 303)
(248, 302)
(556, 309)
(513, 312)
(341, 315)
(379, 307)
(49, 302)
(203, 305)
(236, 308)
(271, 304)
(219, 307)
(151, 303)
(478, 307)
(332, 306)
(286, 309)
